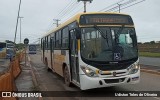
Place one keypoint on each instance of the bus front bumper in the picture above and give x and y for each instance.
(98, 82)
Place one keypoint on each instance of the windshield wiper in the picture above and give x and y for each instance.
(102, 34)
(118, 33)
(120, 30)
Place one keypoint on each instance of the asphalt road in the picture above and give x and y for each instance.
(49, 81)
(150, 61)
(4, 65)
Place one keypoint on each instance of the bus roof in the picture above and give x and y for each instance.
(76, 18)
(2, 42)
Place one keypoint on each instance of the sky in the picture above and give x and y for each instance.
(38, 17)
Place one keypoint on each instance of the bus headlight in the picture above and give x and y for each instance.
(134, 68)
(89, 72)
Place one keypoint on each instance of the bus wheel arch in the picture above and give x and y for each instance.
(66, 75)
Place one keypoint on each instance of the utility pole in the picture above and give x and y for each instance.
(17, 21)
(20, 26)
(39, 41)
(56, 20)
(119, 6)
(85, 2)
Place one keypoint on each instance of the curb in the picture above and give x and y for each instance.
(150, 71)
(34, 77)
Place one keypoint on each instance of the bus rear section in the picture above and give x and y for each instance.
(3, 50)
(7, 50)
(32, 49)
(10, 51)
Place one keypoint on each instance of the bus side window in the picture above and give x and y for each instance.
(65, 39)
(49, 42)
(45, 47)
(41, 43)
(56, 40)
(53, 41)
(59, 39)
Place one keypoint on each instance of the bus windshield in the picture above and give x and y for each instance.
(10, 45)
(2, 45)
(108, 43)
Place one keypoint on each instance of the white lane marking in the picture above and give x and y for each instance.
(156, 98)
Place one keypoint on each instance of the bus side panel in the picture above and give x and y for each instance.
(3, 50)
(58, 60)
(47, 57)
(67, 61)
(3, 53)
(42, 56)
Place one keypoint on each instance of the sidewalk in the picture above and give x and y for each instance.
(24, 81)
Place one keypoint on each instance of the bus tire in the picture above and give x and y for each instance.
(66, 76)
(48, 69)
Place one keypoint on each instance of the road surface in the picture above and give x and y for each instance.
(49, 81)
(150, 61)
(4, 65)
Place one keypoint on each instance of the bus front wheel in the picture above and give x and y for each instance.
(66, 76)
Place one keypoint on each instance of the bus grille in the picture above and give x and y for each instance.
(114, 80)
(110, 74)
(118, 73)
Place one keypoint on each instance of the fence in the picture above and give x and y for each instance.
(155, 48)
(7, 80)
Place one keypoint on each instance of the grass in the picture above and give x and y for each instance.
(149, 54)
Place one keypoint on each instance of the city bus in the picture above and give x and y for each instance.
(7, 50)
(3, 50)
(10, 50)
(32, 49)
(93, 50)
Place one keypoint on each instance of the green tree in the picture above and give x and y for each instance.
(152, 42)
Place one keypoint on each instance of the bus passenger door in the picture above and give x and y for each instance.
(74, 57)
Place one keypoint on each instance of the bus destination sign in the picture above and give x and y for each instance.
(105, 19)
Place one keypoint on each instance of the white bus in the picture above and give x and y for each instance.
(32, 49)
(93, 50)
(7, 50)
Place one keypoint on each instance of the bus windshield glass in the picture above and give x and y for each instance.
(10, 45)
(2, 45)
(108, 44)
